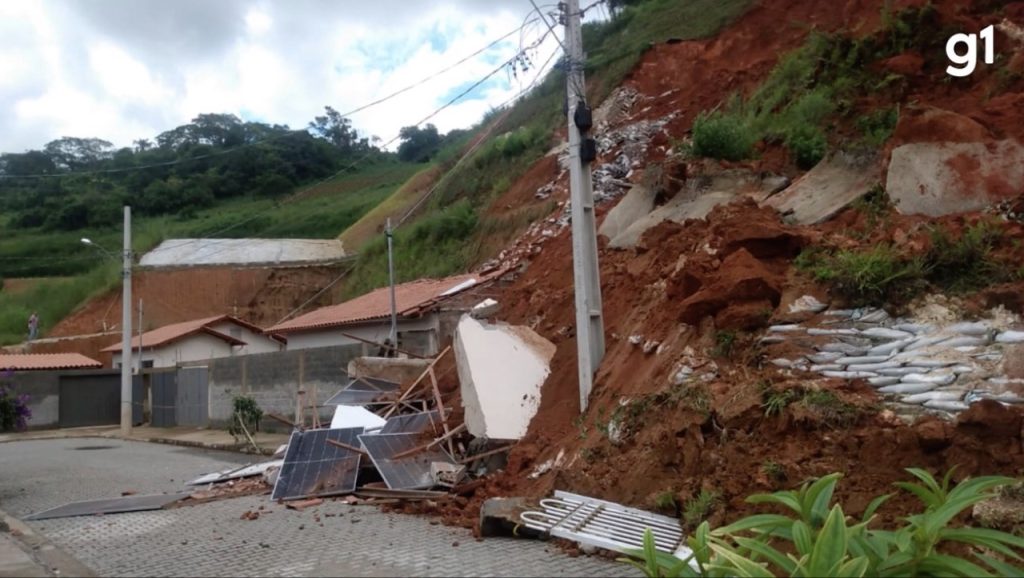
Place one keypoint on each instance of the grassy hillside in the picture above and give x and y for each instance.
(320, 213)
(448, 231)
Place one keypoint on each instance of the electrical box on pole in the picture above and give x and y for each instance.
(582, 151)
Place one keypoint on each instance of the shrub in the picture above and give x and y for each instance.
(965, 263)
(866, 277)
(807, 144)
(722, 136)
(815, 539)
(246, 417)
(14, 410)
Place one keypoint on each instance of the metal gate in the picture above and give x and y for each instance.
(193, 397)
(163, 387)
(90, 400)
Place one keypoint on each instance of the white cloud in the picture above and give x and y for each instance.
(94, 70)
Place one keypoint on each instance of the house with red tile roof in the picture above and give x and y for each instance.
(198, 340)
(368, 318)
(46, 362)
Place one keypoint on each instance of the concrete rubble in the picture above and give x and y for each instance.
(929, 364)
(501, 369)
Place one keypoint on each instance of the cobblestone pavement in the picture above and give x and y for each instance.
(212, 539)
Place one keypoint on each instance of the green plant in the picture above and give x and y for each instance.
(774, 470)
(775, 402)
(14, 410)
(965, 263)
(724, 342)
(246, 416)
(877, 126)
(867, 277)
(696, 509)
(666, 501)
(722, 136)
(807, 144)
(817, 539)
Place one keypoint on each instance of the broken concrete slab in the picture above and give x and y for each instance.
(393, 369)
(679, 209)
(827, 188)
(354, 416)
(636, 204)
(944, 178)
(484, 309)
(501, 370)
(236, 473)
(110, 506)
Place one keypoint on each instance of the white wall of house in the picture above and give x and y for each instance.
(195, 347)
(423, 330)
(254, 342)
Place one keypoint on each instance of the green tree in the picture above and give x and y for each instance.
(418, 144)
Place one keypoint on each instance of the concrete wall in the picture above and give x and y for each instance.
(43, 388)
(274, 379)
(421, 335)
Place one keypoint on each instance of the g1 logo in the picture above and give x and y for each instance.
(969, 60)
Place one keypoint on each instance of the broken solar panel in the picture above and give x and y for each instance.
(408, 473)
(109, 506)
(314, 468)
(412, 423)
(364, 390)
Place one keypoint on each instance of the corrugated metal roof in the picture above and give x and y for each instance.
(32, 361)
(176, 331)
(409, 298)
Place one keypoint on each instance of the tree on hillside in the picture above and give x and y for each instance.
(337, 130)
(74, 153)
(418, 144)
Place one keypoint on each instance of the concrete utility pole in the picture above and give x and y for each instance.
(586, 274)
(393, 335)
(126, 327)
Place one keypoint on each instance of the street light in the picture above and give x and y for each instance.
(126, 320)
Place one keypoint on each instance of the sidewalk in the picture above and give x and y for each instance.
(23, 552)
(182, 436)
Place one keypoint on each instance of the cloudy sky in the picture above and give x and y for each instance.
(128, 69)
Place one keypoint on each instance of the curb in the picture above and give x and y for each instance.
(242, 449)
(55, 560)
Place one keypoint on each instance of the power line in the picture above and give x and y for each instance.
(298, 194)
(280, 136)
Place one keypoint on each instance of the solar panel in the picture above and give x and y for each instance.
(408, 473)
(363, 391)
(312, 467)
(412, 423)
(109, 506)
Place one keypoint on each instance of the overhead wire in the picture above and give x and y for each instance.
(356, 110)
(298, 194)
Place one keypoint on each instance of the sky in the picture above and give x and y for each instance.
(122, 70)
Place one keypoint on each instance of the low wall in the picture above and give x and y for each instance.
(274, 380)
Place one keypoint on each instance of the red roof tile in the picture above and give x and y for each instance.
(170, 333)
(410, 298)
(30, 361)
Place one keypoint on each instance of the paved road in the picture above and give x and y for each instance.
(212, 540)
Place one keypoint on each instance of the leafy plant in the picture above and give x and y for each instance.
(817, 538)
(724, 342)
(246, 414)
(722, 136)
(14, 410)
(696, 509)
(807, 144)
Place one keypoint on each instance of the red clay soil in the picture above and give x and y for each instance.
(680, 287)
(259, 295)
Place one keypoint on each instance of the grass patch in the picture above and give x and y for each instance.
(775, 471)
(725, 341)
(666, 502)
(630, 417)
(52, 300)
(880, 275)
(698, 508)
(831, 410)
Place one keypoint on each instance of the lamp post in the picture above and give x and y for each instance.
(126, 320)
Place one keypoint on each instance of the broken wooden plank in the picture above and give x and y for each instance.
(303, 504)
(414, 384)
(425, 447)
(345, 446)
